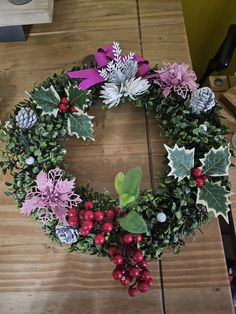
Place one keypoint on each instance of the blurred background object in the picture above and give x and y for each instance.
(207, 23)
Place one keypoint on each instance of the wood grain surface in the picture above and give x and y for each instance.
(36, 277)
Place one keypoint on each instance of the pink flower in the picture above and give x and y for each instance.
(176, 77)
(53, 194)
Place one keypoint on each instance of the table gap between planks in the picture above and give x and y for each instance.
(36, 277)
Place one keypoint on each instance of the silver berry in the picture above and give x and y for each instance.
(161, 217)
(202, 100)
(30, 161)
(203, 127)
(26, 118)
(67, 234)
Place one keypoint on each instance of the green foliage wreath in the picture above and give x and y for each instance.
(137, 226)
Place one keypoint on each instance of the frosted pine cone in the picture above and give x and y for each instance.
(67, 234)
(26, 118)
(202, 100)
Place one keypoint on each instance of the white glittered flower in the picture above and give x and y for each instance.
(135, 87)
(111, 94)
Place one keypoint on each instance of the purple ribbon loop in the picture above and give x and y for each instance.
(103, 56)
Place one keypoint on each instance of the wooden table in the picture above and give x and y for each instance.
(36, 277)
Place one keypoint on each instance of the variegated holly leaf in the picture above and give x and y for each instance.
(215, 197)
(46, 99)
(80, 125)
(181, 161)
(133, 222)
(216, 162)
(78, 97)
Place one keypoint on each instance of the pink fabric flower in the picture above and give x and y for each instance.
(52, 193)
(176, 77)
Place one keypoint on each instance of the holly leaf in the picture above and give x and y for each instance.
(46, 99)
(119, 180)
(215, 197)
(216, 162)
(80, 125)
(133, 222)
(181, 161)
(78, 97)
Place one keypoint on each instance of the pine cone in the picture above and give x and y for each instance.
(67, 234)
(26, 118)
(202, 100)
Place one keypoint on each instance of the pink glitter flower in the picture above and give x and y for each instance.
(52, 193)
(176, 77)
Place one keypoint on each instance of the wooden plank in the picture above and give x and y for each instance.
(80, 16)
(163, 34)
(36, 277)
(196, 280)
(34, 12)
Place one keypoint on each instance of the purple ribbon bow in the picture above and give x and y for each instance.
(103, 56)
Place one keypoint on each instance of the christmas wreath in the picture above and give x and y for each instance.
(137, 226)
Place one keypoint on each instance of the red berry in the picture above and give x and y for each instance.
(145, 275)
(138, 238)
(117, 210)
(127, 238)
(125, 280)
(143, 263)
(87, 225)
(99, 215)
(204, 178)
(138, 256)
(113, 250)
(73, 221)
(110, 213)
(81, 214)
(196, 172)
(149, 281)
(132, 291)
(62, 107)
(64, 100)
(107, 227)
(88, 215)
(99, 239)
(89, 205)
(143, 286)
(84, 232)
(72, 212)
(199, 182)
(117, 274)
(134, 272)
(72, 109)
(118, 260)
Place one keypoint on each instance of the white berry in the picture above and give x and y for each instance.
(161, 217)
(30, 161)
(203, 127)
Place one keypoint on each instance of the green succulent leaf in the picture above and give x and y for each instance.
(132, 181)
(215, 197)
(80, 125)
(78, 97)
(216, 162)
(133, 222)
(181, 161)
(126, 199)
(119, 181)
(46, 99)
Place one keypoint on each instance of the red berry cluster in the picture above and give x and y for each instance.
(64, 105)
(131, 267)
(98, 221)
(198, 177)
